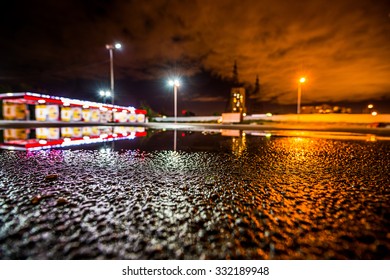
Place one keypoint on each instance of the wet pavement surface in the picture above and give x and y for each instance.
(214, 198)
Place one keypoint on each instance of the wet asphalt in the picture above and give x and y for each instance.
(214, 198)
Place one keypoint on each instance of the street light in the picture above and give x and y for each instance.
(175, 83)
(301, 81)
(104, 94)
(110, 48)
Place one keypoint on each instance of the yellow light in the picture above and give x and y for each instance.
(370, 106)
(302, 80)
(374, 113)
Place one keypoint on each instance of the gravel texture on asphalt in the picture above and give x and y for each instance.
(244, 198)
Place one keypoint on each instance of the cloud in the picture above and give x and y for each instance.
(342, 47)
(208, 99)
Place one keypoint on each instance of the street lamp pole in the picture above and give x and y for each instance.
(112, 73)
(175, 84)
(110, 49)
(301, 81)
(175, 96)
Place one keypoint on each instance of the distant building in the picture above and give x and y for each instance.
(237, 100)
(325, 109)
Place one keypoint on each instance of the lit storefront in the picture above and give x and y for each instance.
(39, 107)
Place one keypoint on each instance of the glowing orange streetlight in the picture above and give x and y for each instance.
(301, 81)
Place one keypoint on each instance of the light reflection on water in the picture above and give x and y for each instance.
(63, 137)
(71, 137)
(247, 196)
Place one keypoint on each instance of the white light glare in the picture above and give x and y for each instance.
(105, 93)
(175, 83)
(118, 46)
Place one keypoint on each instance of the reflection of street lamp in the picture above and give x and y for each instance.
(104, 94)
(110, 48)
(301, 81)
(175, 83)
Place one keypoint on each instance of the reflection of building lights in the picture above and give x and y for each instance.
(371, 138)
(268, 115)
(374, 113)
(297, 139)
(268, 135)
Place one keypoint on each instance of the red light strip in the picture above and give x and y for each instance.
(36, 98)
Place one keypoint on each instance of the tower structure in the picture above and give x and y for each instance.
(237, 102)
(253, 103)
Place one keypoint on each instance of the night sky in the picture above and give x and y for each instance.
(341, 47)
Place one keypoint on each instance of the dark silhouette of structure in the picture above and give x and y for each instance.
(237, 101)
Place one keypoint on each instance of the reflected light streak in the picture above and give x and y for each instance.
(239, 145)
